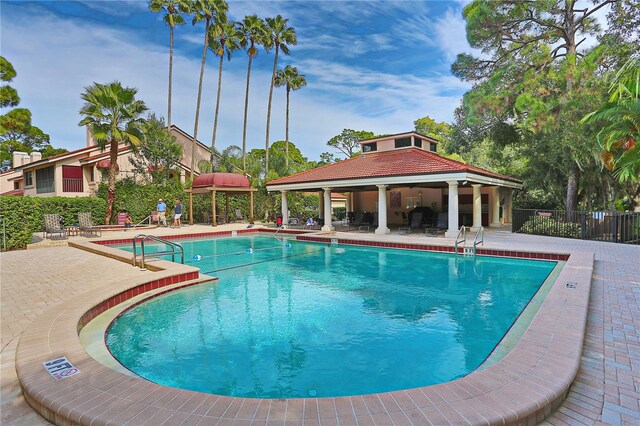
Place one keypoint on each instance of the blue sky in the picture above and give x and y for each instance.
(370, 65)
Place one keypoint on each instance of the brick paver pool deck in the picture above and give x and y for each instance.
(606, 389)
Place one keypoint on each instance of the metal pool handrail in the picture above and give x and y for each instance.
(463, 240)
(480, 234)
(143, 237)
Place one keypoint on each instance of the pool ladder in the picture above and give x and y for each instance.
(478, 239)
(171, 251)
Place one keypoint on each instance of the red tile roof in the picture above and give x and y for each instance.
(402, 162)
(18, 192)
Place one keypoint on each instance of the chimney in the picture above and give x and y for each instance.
(19, 158)
(35, 156)
(90, 141)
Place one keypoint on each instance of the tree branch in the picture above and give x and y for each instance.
(594, 10)
(578, 44)
(543, 23)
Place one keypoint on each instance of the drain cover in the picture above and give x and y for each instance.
(571, 285)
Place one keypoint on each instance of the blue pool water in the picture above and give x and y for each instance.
(293, 319)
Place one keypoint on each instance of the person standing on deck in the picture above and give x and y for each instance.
(162, 212)
(177, 213)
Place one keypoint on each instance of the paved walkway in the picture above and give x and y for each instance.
(606, 390)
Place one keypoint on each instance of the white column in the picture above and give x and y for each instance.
(285, 209)
(382, 210)
(452, 232)
(507, 209)
(327, 210)
(495, 208)
(321, 206)
(477, 207)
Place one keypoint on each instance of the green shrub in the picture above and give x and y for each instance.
(340, 212)
(24, 216)
(541, 225)
(140, 200)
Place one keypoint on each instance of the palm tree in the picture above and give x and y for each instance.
(289, 78)
(280, 37)
(224, 39)
(252, 32)
(173, 17)
(619, 137)
(204, 10)
(113, 115)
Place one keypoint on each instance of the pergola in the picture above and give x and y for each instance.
(227, 183)
(405, 162)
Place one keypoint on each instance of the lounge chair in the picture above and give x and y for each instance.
(86, 225)
(53, 226)
(359, 222)
(416, 222)
(441, 225)
(239, 215)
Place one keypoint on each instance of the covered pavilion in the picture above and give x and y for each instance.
(227, 183)
(397, 173)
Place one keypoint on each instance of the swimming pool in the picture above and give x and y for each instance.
(290, 319)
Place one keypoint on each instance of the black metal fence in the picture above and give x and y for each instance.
(615, 227)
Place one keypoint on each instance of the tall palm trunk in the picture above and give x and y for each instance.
(572, 193)
(195, 126)
(215, 118)
(572, 179)
(111, 185)
(244, 128)
(286, 133)
(273, 79)
(170, 75)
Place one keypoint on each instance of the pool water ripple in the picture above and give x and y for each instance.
(292, 319)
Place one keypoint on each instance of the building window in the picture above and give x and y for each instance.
(413, 202)
(16, 184)
(28, 178)
(402, 142)
(369, 147)
(71, 179)
(417, 142)
(433, 147)
(45, 180)
(92, 174)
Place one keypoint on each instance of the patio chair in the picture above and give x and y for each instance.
(53, 226)
(206, 218)
(416, 222)
(239, 215)
(441, 226)
(221, 219)
(359, 222)
(405, 218)
(86, 225)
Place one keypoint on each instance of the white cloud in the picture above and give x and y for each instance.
(56, 58)
(450, 33)
(119, 8)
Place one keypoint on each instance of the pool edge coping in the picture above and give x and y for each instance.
(526, 385)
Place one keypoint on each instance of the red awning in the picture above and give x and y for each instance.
(104, 164)
(221, 179)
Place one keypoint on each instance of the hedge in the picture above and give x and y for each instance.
(140, 200)
(540, 225)
(24, 216)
